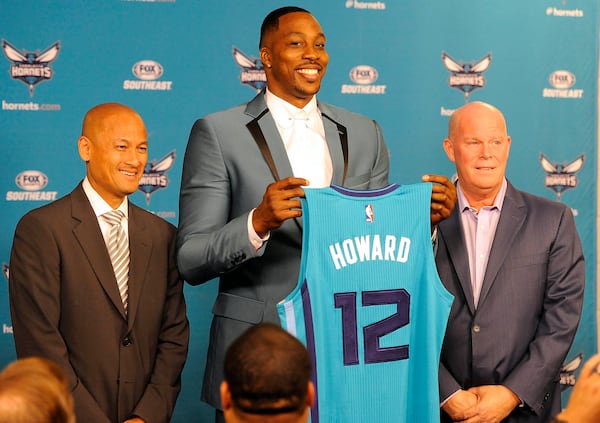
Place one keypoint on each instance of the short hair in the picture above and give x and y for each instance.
(35, 390)
(271, 21)
(268, 371)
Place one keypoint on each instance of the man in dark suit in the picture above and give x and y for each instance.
(122, 352)
(244, 170)
(514, 263)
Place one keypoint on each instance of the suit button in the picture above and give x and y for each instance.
(476, 328)
(127, 341)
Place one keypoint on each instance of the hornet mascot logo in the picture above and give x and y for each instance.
(560, 176)
(567, 372)
(252, 72)
(154, 177)
(466, 77)
(28, 67)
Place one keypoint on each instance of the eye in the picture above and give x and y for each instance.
(143, 148)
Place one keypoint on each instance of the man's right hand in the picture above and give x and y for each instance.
(461, 406)
(280, 203)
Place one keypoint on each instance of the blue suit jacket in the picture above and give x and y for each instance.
(224, 177)
(529, 307)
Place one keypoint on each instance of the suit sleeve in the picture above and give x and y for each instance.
(208, 242)
(381, 168)
(158, 401)
(559, 321)
(34, 290)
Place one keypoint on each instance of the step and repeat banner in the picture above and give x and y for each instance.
(408, 64)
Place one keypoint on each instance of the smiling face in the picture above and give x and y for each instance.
(115, 148)
(295, 58)
(479, 146)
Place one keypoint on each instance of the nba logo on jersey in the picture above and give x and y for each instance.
(369, 215)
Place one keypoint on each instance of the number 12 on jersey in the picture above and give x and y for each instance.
(373, 352)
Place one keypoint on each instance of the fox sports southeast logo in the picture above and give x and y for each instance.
(31, 180)
(147, 70)
(363, 74)
(562, 79)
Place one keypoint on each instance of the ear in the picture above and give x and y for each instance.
(84, 145)
(449, 149)
(310, 394)
(265, 57)
(225, 396)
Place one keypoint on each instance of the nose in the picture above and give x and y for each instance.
(311, 52)
(485, 151)
(134, 157)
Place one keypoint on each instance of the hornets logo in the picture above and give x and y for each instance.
(28, 67)
(466, 76)
(561, 176)
(252, 73)
(155, 177)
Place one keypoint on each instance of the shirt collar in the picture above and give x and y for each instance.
(98, 203)
(463, 203)
(284, 112)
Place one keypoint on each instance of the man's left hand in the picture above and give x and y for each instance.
(443, 197)
(495, 403)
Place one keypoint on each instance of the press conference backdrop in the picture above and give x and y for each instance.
(408, 64)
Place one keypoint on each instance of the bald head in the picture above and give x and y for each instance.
(103, 116)
(479, 146)
(114, 146)
(472, 111)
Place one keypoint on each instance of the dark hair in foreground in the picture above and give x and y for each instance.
(35, 390)
(271, 21)
(268, 371)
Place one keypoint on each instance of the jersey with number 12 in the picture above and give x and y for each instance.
(369, 304)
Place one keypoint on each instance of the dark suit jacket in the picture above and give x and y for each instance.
(529, 307)
(65, 306)
(224, 177)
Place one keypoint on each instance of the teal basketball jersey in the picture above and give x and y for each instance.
(369, 304)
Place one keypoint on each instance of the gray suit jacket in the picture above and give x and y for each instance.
(65, 306)
(529, 307)
(224, 177)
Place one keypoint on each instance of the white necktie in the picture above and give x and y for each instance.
(308, 152)
(118, 249)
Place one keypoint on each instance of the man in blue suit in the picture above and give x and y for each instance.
(244, 170)
(514, 263)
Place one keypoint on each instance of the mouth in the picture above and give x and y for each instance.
(310, 74)
(128, 173)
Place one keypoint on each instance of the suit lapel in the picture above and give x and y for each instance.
(332, 136)
(88, 235)
(457, 250)
(511, 220)
(140, 248)
(267, 126)
(256, 108)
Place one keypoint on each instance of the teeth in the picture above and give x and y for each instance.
(128, 173)
(309, 71)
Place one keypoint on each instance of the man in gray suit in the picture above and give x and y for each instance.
(244, 170)
(514, 263)
(122, 351)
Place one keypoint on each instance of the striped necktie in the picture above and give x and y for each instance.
(118, 249)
